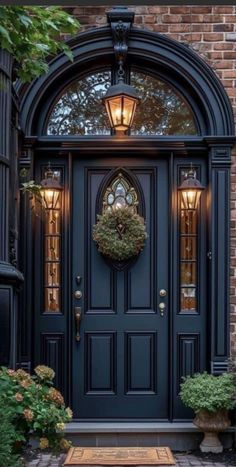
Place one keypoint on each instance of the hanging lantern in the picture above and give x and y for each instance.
(191, 190)
(121, 101)
(50, 190)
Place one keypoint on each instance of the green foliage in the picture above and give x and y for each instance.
(7, 439)
(208, 392)
(120, 234)
(32, 33)
(37, 407)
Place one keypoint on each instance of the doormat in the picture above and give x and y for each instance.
(119, 456)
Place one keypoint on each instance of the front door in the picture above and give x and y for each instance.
(120, 363)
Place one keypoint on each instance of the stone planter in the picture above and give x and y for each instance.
(211, 423)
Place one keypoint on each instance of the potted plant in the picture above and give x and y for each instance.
(210, 397)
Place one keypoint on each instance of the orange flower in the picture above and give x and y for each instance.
(55, 396)
(19, 397)
(28, 414)
(25, 383)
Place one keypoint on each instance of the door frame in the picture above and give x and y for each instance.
(217, 153)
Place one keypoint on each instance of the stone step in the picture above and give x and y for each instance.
(179, 436)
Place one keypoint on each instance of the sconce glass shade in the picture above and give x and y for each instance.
(191, 190)
(50, 191)
(120, 102)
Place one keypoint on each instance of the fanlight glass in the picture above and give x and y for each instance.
(162, 110)
(79, 110)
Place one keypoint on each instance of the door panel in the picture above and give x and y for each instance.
(120, 365)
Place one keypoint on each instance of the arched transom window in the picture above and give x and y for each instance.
(162, 111)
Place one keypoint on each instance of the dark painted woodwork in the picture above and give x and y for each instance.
(194, 342)
(10, 278)
(220, 258)
(174, 61)
(53, 355)
(118, 365)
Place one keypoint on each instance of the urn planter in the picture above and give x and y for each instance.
(211, 423)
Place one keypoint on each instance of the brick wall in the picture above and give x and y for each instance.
(211, 32)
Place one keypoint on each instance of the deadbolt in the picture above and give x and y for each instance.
(78, 294)
(162, 293)
(78, 279)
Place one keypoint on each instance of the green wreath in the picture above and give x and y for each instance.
(120, 234)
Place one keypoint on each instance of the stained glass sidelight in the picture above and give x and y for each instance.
(188, 258)
(52, 256)
(162, 110)
(119, 194)
(79, 111)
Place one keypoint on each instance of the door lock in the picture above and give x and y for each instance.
(162, 293)
(162, 308)
(78, 294)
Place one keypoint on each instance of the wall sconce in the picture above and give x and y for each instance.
(121, 99)
(50, 190)
(191, 190)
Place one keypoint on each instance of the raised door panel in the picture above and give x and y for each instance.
(140, 362)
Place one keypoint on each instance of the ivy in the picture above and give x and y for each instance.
(32, 33)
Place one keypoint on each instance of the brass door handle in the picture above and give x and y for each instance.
(162, 308)
(78, 317)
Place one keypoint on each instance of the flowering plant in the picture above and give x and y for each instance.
(39, 409)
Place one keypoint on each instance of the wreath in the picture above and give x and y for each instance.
(120, 234)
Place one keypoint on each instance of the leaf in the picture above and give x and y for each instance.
(26, 20)
(5, 34)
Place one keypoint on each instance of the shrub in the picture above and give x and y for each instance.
(208, 392)
(38, 407)
(7, 439)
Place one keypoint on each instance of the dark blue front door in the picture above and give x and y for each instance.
(120, 364)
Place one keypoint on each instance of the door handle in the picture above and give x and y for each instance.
(162, 308)
(78, 317)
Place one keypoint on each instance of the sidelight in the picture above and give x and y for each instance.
(190, 191)
(52, 245)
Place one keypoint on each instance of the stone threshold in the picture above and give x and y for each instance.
(133, 427)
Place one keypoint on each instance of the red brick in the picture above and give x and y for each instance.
(230, 18)
(180, 10)
(157, 9)
(179, 27)
(213, 18)
(223, 9)
(171, 18)
(149, 19)
(201, 9)
(232, 93)
(230, 74)
(160, 27)
(223, 27)
(202, 27)
(193, 19)
(195, 37)
(213, 37)
(214, 55)
(223, 46)
(229, 55)
(224, 64)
